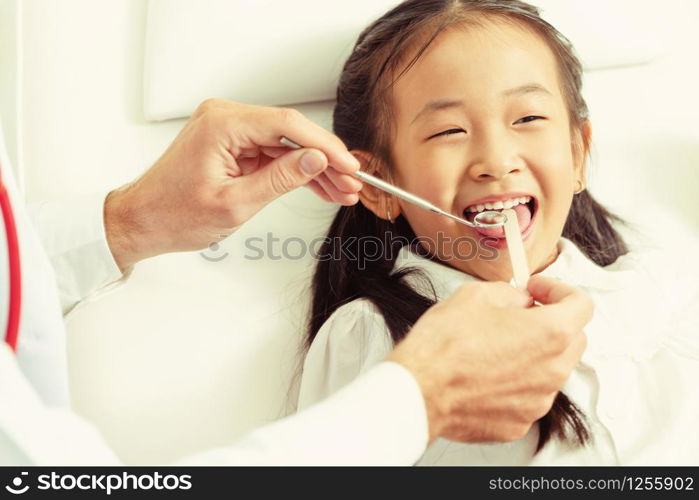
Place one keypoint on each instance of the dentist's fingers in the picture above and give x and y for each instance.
(222, 167)
(564, 312)
(548, 290)
(250, 161)
(275, 152)
(293, 125)
(251, 126)
(294, 169)
(281, 175)
(335, 194)
(567, 304)
(344, 182)
(485, 363)
(248, 164)
(319, 191)
(571, 356)
(504, 295)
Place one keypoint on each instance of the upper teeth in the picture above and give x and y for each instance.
(499, 205)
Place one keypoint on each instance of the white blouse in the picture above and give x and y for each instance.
(636, 382)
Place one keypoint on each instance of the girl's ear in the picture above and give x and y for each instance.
(381, 204)
(581, 152)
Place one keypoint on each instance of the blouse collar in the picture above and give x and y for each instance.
(571, 266)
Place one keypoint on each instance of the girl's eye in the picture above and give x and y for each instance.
(447, 132)
(527, 119)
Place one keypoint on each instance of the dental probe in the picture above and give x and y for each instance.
(416, 200)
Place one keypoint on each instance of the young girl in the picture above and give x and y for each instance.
(476, 105)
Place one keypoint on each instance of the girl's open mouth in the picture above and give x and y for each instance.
(525, 206)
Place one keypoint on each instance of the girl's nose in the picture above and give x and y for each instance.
(493, 171)
(494, 161)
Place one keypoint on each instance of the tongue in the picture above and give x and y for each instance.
(524, 217)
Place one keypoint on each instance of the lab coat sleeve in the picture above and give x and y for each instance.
(378, 419)
(354, 407)
(73, 236)
(359, 425)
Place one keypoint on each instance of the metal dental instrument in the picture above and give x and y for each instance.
(416, 200)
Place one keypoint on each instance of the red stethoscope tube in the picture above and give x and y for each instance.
(12, 332)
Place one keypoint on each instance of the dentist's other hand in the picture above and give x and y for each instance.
(489, 366)
(222, 168)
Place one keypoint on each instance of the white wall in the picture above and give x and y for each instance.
(645, 132)
(192, 353)
(11, 82)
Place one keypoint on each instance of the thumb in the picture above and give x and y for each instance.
(496, 293)
(547, 290)
(286, 173)
(569, 301)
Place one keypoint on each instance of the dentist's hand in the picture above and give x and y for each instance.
(222, 168)
(488, 365)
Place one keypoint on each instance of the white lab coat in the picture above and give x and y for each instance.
(380, 419)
